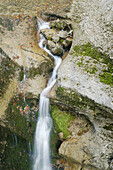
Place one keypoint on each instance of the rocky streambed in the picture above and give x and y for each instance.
(59, 37)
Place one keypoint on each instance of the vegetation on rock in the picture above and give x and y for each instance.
(21, 116)
(7, 71)
(61, 120)
(14, 151)
(89, 50)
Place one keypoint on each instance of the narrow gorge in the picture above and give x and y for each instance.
(56, 85)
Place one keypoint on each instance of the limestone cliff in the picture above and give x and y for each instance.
(85, 86)
(82, 100)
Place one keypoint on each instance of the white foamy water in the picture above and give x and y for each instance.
(24, 80)
(44, 124)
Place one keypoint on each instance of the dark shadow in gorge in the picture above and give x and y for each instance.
(14, 151)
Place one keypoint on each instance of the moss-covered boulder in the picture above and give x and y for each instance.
(60, 25)
(55, 49)
(59, 36)
(62, 120)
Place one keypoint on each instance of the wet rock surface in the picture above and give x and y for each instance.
(59, 36)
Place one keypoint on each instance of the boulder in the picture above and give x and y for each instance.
(55, 49)
(66, 42)
(58, 50)
(49, 33)
(50, 45)
(60, 25)
(55, 38)
(63, 34)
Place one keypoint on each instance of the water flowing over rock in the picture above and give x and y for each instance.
(83, 96)
(57, 37)
(44, 124)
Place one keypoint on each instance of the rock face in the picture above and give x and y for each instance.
(25, 69)
(18, 45)
(85, 87)
(84, 93)
(93, 23)
(91, 129)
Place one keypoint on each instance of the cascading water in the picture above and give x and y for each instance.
(24, 79)
(44, 124)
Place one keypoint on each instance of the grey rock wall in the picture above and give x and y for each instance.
(92, 24)
(95, 23)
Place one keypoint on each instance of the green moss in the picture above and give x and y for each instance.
(7, 72)
(61, 41)
(20, 117)
(61, 120)
(13, 151)
(33, 72)
(91, 70)
(72, 101)
(108, 127)
(45, 68)
(80, 63)
(107, 78)
(21, 74)
(71, 98)
(90, 50)
(60, 25)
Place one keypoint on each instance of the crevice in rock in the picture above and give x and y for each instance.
(34, 53)
(53, 16)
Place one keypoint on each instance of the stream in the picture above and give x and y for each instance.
(41, 153)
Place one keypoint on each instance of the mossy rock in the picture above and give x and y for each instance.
(13, 150)
(61, 120)
(44, 68)
(60, 25)
(89, 50)
(75, 103)
(7, 71)
(21, 116)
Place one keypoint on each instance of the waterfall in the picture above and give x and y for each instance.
(23, 82)
(44, 124)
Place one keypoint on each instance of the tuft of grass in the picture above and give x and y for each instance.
(62, 120)
(107, 78)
